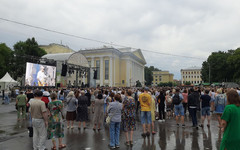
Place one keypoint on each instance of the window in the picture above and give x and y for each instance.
(98, 69)
(155, 79)
(106, 69)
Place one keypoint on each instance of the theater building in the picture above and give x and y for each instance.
(116, 67)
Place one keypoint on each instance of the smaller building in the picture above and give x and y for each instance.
(192, 75)
(161, 77)
(56, 48)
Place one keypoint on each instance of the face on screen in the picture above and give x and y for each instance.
(40, 75)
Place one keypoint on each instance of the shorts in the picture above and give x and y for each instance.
(179, 110)
(146, 117)
(206, 111)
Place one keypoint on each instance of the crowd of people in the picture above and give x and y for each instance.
(122, 105)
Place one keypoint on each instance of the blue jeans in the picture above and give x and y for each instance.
(146, 117)
(179, 110)
(193, 113)
(114, 133)
(6, 100)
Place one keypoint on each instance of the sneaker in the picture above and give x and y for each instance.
(201, 125)
(159, 120)
(178, 124)
(163, 120)
(67, 127)
(117, 146)
(208, 125)
(112, 147)
(147, 134)
(183, 125)
(143, 135)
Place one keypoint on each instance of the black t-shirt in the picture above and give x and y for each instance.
(205, 100)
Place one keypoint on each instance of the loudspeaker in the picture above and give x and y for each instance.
(64, 70)
(95, 74)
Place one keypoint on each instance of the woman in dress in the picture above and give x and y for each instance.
(231, 122)
(98, 111)
(71, 109)
(220, 103)
(129, 117)
(55, 125)
(82, 110)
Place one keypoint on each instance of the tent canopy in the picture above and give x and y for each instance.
(7, 79)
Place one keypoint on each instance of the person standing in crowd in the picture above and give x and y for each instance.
(129, 117)
(177, 99)
(71, 109)
(114, 110)
(6, 97)
(169, 105)
(92, 100)
(153, 111)
(39, 121)
(185, 100)
(98, 111)
(193, 99)
(161, 106)
(220, 103)
(205, 107)
(46, 98)
(55, 126)
(213, 95)
(29, 95)
(145, 101)
(88, 94)
(82, 110)
(21, 102)
(61, 95)
(230, 122)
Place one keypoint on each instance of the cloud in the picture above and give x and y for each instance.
(189, 28)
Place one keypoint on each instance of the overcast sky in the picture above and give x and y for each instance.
(183, 27)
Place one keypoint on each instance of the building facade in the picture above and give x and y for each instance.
(161, 77)
(192, 75)
(116, 67)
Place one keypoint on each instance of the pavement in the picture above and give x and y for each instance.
(14, 135)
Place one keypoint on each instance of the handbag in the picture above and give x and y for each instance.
(108, 119)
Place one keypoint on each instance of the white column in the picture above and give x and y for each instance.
(101, 71)
(110, 72)
(127, 73)
(114, 71)
(143, 81)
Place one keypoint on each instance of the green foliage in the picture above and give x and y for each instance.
(148, 75)
(167, 84)
(6, 56)
(27, 51)
(187, 83)
(224, 66)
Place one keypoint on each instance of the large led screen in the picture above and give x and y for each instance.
(40, 75)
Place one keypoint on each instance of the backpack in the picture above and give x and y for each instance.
(176, 99)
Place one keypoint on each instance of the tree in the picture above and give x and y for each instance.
(187, 83)
(234, 62)
(148, 75)
(6, 55)
(219, 69)
(27, 51)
